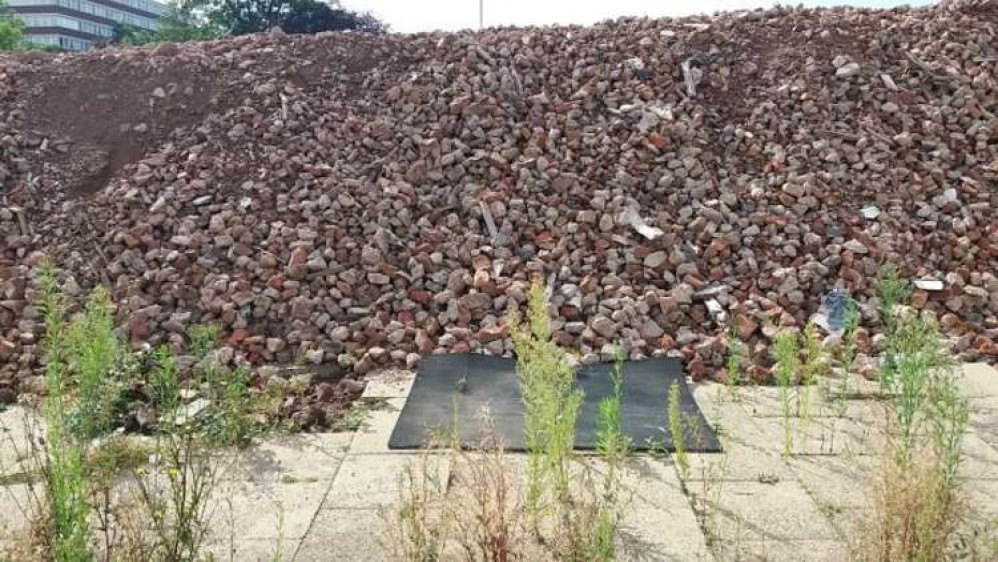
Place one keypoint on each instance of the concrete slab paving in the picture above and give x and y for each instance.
(754, 511)
(658, 521)
(373, 435)
(371, 481)
(835, 481)
(16, 503)
(984, 417)
(823, 436)
(357, 535)
(782, 551)
(324, 495)
(739, 462)
(16, 424)
(249, 510)
(291, 458)
(389, 383)
(978, 380)
(255, 550)
(980, 458)
(982, 497)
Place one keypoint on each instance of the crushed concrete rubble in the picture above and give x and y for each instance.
(360, 201)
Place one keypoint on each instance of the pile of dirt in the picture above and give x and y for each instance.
(364, 201)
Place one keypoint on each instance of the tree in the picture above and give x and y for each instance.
(11, 32)
(240, 17)
(183, 22)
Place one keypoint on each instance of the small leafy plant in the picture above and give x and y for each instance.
(676, 430)
(891, 290)
(917, 505)
(551, 402)
(811, 371)
(64, 468)
(787, 360)
(733, 360)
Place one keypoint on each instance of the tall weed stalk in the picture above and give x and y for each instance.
(787, 361)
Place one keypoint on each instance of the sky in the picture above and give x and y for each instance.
(408, 16)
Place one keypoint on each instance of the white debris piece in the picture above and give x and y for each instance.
(632, 218)
(929, 284)
(870, 212)
(716, 311)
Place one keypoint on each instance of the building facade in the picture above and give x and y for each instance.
(77, 25)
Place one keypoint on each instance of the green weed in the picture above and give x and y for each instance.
(845, 354)
(611, 443)
(676, 430)
(891, 290)
(733, 360)
(811, 371)
(95, 356)
(551, 403)
(64, 468)
(787, 360)
(917, 505)
(202, 339)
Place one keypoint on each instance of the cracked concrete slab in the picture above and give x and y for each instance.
(357, 535)
(373, 434)
(835, 481)
(372, 481)
(291, 458)
(755, 511)
(782, 551)
(249, 510)
(979, 380)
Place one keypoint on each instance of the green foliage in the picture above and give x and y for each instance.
(89, 378)
(676, 430)
(421, 536)
(354, 418)
(551, 402)
(64, 469)
(917, 505)
(585, 516)
(164, 385)
(611, 443)
(95, 356)
(922, 375)
(613, 447)
(733, 360)
(11, 30)
(891, 290)
(229, 421)
(787, 360)
(845, 353)
(202, 339)
(240, 17)
(811, 370)
(184, 21)
(175, 494)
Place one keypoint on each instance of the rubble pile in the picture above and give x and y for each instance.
(364, 201)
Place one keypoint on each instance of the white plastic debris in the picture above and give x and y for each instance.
(870, 212)
(716, 311)
(929, 284)
(632, 218)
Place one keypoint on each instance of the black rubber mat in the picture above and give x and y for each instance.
(452, 390)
